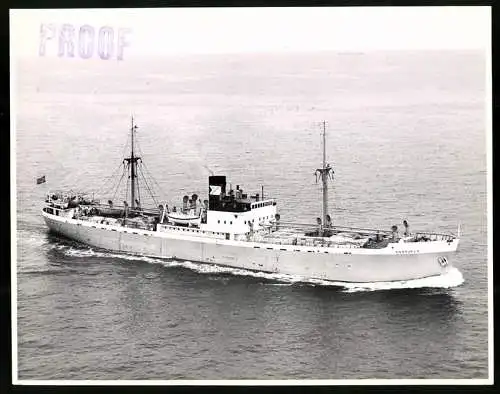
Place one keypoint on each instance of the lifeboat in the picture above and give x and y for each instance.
(184, 218)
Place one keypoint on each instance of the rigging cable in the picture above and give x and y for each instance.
(119, 183)
(154, 181)
(151, 193)
(149, 187)
(147, 169)
(139, 150)
(137, 185)
(105, 183)
(125, 146)
(126, 189)
(117, 168)
(112, 185)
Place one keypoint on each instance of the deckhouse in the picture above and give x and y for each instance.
(234, 212)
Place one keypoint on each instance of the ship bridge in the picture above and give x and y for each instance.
(235, 212)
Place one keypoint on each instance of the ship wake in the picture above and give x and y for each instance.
(452, 278)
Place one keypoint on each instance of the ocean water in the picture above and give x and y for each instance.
(406, 138)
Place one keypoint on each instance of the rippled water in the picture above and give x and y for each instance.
(406, 139)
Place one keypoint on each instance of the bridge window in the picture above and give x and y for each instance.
(218, 221)
(224, 222)
(231, 222)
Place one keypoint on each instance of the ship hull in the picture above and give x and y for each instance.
(342, 264)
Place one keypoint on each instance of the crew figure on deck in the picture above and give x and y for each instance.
(395, 235)
(407, 228)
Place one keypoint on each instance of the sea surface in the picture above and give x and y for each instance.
(407, 140)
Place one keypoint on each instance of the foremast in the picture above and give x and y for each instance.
(132, 165)
(325, 173)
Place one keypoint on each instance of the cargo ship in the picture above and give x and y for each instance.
(235, 229)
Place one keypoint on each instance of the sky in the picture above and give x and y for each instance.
(236, 30)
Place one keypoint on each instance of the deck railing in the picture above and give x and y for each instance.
(434, 236)
(362, 231)
(338, 229)
(306, 242)
(147, 211)
(300, 240)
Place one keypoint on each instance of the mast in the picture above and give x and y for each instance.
(132, 162)
(325, 172)
(325, 183)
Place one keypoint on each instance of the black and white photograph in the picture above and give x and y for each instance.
(251, 196)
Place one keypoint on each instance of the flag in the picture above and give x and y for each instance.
(214, 190)
(40, 180)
